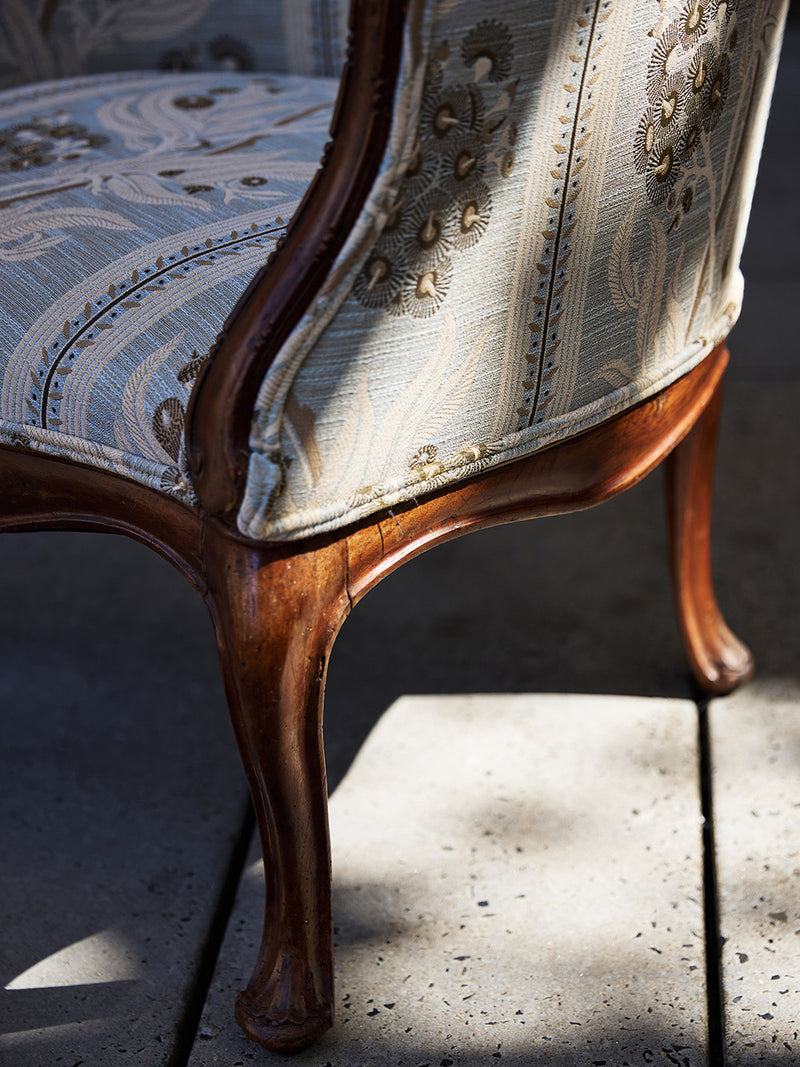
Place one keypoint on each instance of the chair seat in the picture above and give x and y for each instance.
(134, 210)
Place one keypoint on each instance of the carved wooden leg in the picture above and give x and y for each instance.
(718, 659)
(275, 618)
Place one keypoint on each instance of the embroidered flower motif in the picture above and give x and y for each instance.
(661, 173)
(670, 103)
(168, 420)
(717, 91)
(645, 140)
(378, 283)
(193, 101)
(455, 109)
(690, 136)
(174, 482)
(659, 61)
(473, 209)
(423, 456)
(422, 172)
(428, 237)
(699, 70)
(443, 205)
(688, 78)
(425, 290)
(39, 142)
(692, 22)
(463, 163)
(488, 49)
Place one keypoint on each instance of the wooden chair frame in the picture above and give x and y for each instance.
(276, 608)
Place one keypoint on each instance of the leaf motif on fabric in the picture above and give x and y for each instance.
(34, 228)
(433, 398)
(133, 428)
(617, 373)
(435, 395)
(147, 189)
(168, 421)
(144, 122)
(675, 334)
(302, 420)
(623, 277)
(652, 290)
(350, 452)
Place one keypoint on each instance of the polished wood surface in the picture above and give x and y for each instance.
(40, 492)
(575, 474)
(275, 621)
(276, 610)
(718, 660)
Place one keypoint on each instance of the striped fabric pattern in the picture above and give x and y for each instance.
(554, 236)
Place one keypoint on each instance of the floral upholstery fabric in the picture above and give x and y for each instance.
(554, 235)
(134, 210)
(45, 39)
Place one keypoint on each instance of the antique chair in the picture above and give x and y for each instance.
(505, 294)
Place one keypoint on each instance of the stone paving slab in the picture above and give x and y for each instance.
(517, 880)
(120, 797)
(756, 757)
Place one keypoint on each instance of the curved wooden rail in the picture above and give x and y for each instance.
(277, 608)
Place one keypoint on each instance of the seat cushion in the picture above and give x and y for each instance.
(134, 210)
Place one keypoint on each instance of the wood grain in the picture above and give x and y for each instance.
(276, 610)
(719, 661)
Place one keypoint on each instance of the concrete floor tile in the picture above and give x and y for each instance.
(756, 757)
(517, 879)
(120, 798)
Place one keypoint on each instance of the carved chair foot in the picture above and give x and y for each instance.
(719, 661)
(722, 660)
(281, 1027)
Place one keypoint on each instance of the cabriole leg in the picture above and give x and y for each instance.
(717, 658)
(275, 620)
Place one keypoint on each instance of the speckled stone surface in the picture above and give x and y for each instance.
(756, 746)
(517, 880)
(120, 796)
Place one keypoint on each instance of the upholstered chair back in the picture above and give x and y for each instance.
(554, 235)
(44, 39)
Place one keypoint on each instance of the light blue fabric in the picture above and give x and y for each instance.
(134, 210)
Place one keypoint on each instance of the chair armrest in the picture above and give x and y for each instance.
(222, 403)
